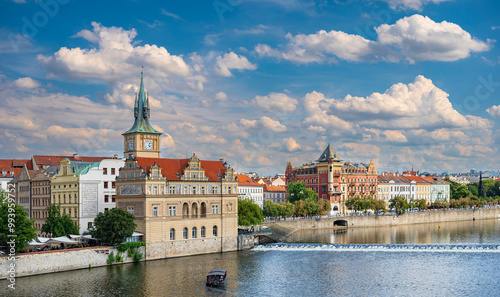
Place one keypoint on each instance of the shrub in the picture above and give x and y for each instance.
(119, 257)
(137, 256)
(131, 252)
(111, 258)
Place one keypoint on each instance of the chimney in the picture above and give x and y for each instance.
(221, 160)
(75, 156)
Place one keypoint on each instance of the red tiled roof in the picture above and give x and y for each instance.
(418, 179)
(244, 180)
(274, 188)
(56, 160)
(171, 167)
(13, 165)
(433, 179)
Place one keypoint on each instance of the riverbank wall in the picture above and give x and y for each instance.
(27, 264)
(364, 221)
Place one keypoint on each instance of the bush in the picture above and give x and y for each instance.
(137, 256)
(125, 246)
(119, 257)
(131, 252)
(111, 258)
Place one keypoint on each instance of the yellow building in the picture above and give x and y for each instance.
(182, 206)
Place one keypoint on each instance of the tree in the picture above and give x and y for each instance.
(378, 205)
(113, 226)
(271, 209)
(421, 204)
(312, 207)
(57, 225)
(288, 209)
(249, 213)
(399, 203)
(324, 206)
(14, 220)
(297, 191)
(300, 208)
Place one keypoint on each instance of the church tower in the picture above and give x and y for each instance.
(142, 140)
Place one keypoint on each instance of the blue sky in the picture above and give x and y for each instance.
(407, 83)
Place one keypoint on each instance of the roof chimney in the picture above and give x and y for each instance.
(75, 155)
(221, 160)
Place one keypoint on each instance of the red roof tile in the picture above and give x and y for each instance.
(173, 169)
(56, 160)
(274, 188)
(244, 180)
(8, 166)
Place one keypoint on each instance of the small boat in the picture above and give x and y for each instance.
(217, 278)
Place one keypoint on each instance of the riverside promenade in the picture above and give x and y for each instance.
(285, 227)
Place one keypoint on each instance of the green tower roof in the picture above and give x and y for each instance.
(141, 113)
(329, 153)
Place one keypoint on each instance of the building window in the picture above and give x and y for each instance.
(113, 198)
(113, 185)
(106, 209)
(185, 190)
(185, 233)
(202, 231)
(113, 171)
(193, 232)
(106, 198)
(172, 211)
(105, 185)
(202, 190)
(89, 225)
(155, 211)
(155, 190)
(130, 209)
(105, 171)
(172, 234)
(214, 190)
(215, 209)
(229, 190)
(215, 231)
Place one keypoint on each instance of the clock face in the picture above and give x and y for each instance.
(148, 144)
(131, 145)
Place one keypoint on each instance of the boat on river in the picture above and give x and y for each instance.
(217, 278)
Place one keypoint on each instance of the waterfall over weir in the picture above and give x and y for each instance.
(489, 248)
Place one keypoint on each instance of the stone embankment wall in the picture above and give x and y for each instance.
(56, 261)
(392, 220)
(72, 259)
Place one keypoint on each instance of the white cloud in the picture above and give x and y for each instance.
(211, 139)
(290, 145)
(272, 125)
(276, 102)
(259, 29)
(88, 35)
(26, 83)
(494, 111)
(418, 38)
(221, 96)
(414, 38)
(223, 64)
(248, 123)
(395, 136)
(167, 141)
(411, 4)
(317, 115)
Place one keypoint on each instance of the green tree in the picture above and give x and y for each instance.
(249, 213)
(14, 220)
(312, 207)
(113, 226)
(297, 191)
(324, 206)
(300, 208)
(378, 205)
(421, 204)
(400, 204)
(58, 225)
(271, 209)
(457, 190)
(288, 209)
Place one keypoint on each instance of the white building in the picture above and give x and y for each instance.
(392, 186)
(97, 190)
(276, 194)
(248, 188)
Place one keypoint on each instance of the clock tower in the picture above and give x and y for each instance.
(142, 140)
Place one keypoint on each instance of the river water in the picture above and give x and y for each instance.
(447, 259)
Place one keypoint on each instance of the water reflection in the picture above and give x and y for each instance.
(481, 232)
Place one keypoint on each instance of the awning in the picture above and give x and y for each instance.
(34, 243)
(75, 236)
(89, 237)
(137, 234)
(62, 239)
(42, 239)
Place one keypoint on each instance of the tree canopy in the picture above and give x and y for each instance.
(14, 220)
(400, 204)
(113, 226)
(58, 225)
(249, 213)
(297, 191)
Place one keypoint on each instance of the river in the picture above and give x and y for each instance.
(447, 259)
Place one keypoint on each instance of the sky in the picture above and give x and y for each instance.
(407, 83)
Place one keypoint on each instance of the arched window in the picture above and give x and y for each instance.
(172, 234)
(202, 231)
(194, 210)
(203, 209)
(194, 232)
(185, 233)
(185, 211)
(215, 231)
(335, 208)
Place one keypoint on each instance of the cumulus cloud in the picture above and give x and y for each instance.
(395, 136)
(411, 4)
(221, 96)
(290, 145)
(494, 111)
(413, 38)
(276, 102)
(272, 125)
(211, 139)
(223, 64)
(26, 83)
(248, 123)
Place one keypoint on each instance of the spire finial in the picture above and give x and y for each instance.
(142, 71)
